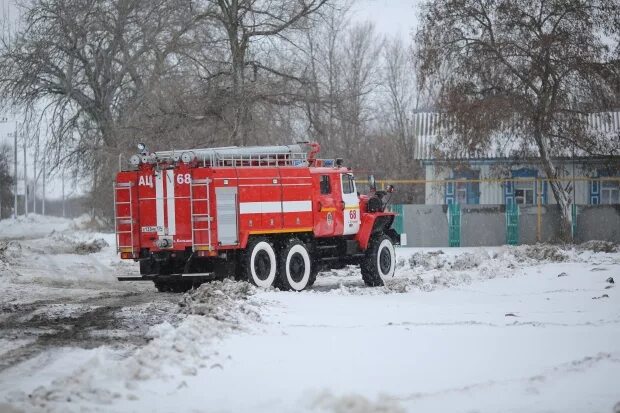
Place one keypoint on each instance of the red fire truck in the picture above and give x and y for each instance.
(271, 215)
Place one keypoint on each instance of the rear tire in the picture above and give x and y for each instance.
(295, 266)
(380, 261)
(314, 272)
(259, 264)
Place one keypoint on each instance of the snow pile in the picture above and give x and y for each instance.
(90, 247)
(541, 252)
(599, 246)
(353, 403)
(32, 226)
(87, 223)
(436, 260)
(429, 270)
(222, 300)
(68, 242)
(208, 313)
(429, 260)
(9, 252)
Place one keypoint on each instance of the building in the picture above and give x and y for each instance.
(498, 177)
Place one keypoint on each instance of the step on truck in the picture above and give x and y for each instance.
(270, 215)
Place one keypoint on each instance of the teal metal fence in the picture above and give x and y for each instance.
(454, 225)
(512, 224)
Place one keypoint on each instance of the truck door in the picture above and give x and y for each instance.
(351, 205)
(326, 208)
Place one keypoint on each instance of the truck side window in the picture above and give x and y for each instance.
(348, 186)
(326, 188)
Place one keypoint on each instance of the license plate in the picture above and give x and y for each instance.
(153, 229)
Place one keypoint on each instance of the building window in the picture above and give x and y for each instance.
(524, 189)
(610, 192)
(465, 193)
(524, 193)
(605, 191)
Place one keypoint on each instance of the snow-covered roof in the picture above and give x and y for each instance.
(430, 126)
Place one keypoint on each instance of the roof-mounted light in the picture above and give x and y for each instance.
(142, 148)
(187, 157)
(134, 160)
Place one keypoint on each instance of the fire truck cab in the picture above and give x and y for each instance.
(274, 216)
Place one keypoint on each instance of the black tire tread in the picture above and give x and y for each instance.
(370, 273)
(244, 273)
(281, 258)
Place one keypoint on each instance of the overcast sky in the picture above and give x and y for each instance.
(392, 17)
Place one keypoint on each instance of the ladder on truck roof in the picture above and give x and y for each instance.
(200, 217)
(233, 156)
(123, 220)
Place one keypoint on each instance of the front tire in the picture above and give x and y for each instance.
(258, 264)
(380, 261)
(296, 269)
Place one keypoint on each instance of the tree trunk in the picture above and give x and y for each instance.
(562, 197)
(566, 217)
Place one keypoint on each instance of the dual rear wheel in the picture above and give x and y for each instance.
(291, 268)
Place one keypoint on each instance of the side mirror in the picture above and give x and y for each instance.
(372, 182)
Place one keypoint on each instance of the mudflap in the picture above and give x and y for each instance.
(394, 236)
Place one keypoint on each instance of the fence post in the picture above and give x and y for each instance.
(454, 225)
(539, 190)
(399, 219)
(512, 224)
(573, 226)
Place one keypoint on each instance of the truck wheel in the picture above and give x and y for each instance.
(295, 266)
(380, 261)
(313, 275)
(259, 263)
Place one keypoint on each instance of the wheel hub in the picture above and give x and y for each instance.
(385, 260)
(297, 267)
(262, 265)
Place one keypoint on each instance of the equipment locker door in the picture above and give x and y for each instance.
(226, 205)
(351, 205)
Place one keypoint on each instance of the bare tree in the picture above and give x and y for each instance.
(85, 64)
(530, 67)
(6, 182)
(248, 26)
(402, 96)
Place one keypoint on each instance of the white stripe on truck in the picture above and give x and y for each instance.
(170, 204)
(159, 201)
(274, 207)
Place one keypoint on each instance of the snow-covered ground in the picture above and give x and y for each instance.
(534, 329)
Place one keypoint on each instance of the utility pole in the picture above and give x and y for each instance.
(63, 192)
(36, 177)
(2, 120)
(43, 205)
(25, 181)
(34, 185)
(15, 172)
